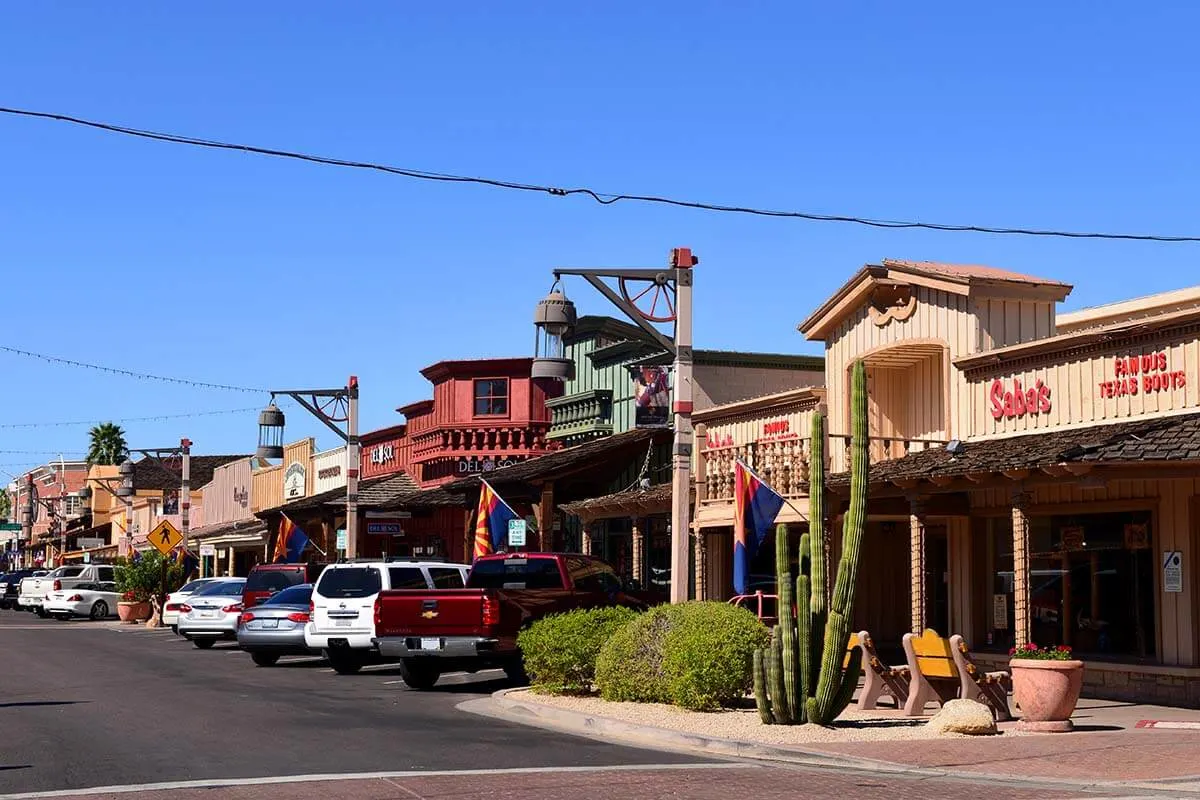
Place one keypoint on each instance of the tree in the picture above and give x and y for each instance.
(107, 445)
(5, 504)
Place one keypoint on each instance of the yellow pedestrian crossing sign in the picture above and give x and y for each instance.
(165, 537)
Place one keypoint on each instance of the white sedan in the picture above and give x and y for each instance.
(171, 612)
(92, 600)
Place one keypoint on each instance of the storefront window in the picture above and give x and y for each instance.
(491, 397)
(659, 553)
(1091, 583)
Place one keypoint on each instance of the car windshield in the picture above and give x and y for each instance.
(66, 572)
(349, 582)
(194, 586)
(294, 596)
(515, 573)
(274, 580)
(221, 588)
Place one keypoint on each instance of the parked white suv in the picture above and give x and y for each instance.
(342, 620)
(35, 590)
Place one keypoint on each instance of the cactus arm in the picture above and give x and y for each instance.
(787, 635)
(849, 683)
(779, 706)
(760, 687)
(804, 650)
(816, 513)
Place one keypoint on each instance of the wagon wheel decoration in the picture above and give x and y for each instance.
(653, 299)
(334, 409)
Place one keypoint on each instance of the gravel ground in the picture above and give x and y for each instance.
(744, 724)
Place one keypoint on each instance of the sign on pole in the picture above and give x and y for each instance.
(208, 550)
(342, 539)
(1172, 571)
(516, 533)
(165, 537)
(10, 526)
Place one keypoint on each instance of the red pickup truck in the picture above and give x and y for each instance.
(445, 630)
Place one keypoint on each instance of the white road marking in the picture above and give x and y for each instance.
(361, 776)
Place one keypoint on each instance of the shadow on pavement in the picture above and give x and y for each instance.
(33, 703)
(1098, 728)
(16, 766)
(473, 687)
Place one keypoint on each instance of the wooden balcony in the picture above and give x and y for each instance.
(581, 416)
(882, 448)
(444, 441)
(782, 464)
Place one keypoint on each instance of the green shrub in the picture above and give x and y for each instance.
(560, 650)
(694, 655)
(142, 578)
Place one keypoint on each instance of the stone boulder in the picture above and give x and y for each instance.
(963, 716)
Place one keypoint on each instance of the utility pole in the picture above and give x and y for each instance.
(185, 493)
(27, 514)
(681, 451)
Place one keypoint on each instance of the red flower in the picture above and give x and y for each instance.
(1030, 646)
(1012, 651)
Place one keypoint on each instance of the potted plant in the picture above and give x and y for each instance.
(1046, 686)
(137, 579)
(133, 606)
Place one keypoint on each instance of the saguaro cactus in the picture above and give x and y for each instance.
(804, 676)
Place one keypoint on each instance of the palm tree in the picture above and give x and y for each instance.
(108, 445)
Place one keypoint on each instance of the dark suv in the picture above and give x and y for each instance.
(265, 580)
(10, 585)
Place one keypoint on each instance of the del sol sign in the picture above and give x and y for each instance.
(482, 466)
(1013, 399)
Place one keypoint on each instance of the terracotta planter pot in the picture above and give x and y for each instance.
(1046, 692)
(133, 612)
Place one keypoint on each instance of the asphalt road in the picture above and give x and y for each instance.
(86, 705)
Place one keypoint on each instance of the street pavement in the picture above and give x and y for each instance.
(101, 710)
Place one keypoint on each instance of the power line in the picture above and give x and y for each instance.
(63, 453)
(604, 198)
(129, 373)
(155, 418)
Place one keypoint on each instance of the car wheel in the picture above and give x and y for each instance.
(175, 629)
(515, 671)
(41, 612)
(344, 662)
(419, 673)
(204, 643)
(99, 610)
(265, 659)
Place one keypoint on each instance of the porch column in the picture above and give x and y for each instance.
(701, 551)
(1020, 532)
(544, 512)
(639, 552)
(916, 560)
(468, 535)
(585, 537)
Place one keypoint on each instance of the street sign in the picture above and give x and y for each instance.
(516, 533)
(208, 550)
(342, 539)
(10, 526)
(165, 537)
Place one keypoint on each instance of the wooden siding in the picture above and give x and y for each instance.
(1004, 321)
(267, 484)
(613, 377)
(940, 320)
(1077, 385)
(222, 495)
(328, 460)
(1174, 506)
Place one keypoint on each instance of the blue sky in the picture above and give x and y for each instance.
(239, 269)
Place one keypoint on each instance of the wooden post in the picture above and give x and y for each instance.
(585, 537)
(1022, 624)
(918, 587)
(639, 552)
(468, 535)
(544, 513)
(701, 556)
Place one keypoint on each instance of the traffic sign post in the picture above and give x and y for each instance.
(516, 533)
(165, 537)
(10, 526)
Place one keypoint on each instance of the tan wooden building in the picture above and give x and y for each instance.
(1034, 477)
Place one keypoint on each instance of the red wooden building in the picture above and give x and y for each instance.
(485, 414)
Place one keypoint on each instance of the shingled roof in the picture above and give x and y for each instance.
(371, 493)
(149, 475)
(1175, 438)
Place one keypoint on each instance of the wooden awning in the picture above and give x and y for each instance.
(634, 503)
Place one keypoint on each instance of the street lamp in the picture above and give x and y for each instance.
(553, 319)
(334, 408)
(646, 296)
(270, 432)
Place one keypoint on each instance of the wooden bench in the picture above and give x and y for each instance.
(933, 673)
(878, 678)
(989, 688)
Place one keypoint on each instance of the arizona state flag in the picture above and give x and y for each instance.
(491, 521)
(290, 542)
(755, 506)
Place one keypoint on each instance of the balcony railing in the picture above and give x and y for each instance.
(885, 448)
(783, 464)
(491, 439)
(584, 413)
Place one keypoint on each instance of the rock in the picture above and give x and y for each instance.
(963, 716)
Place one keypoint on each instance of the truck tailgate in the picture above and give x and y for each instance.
(446, 612)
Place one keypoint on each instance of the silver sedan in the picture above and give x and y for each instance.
(275, 627)
(212, 613)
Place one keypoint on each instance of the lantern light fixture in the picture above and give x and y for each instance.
(270, 432)
(554, 319)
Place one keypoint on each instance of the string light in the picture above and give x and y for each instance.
(130, 373)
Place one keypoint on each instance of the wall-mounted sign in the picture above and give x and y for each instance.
(652, 397)
(516, 533)
(1015, 400)
(1172, 571)
(241, 496)
(778, 430)
(329, 472)
(482, 466)
(342, 540)
(1137, 536)
(1000, 612)
(293, 481)
(208, 550)
(1144, 374)
(383, 453)
(716, 440)
(170, 502)
(385, 527)
(88, 542)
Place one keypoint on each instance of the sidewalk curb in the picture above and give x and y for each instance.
(614, 731)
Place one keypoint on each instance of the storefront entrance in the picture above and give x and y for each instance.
(937, 579)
